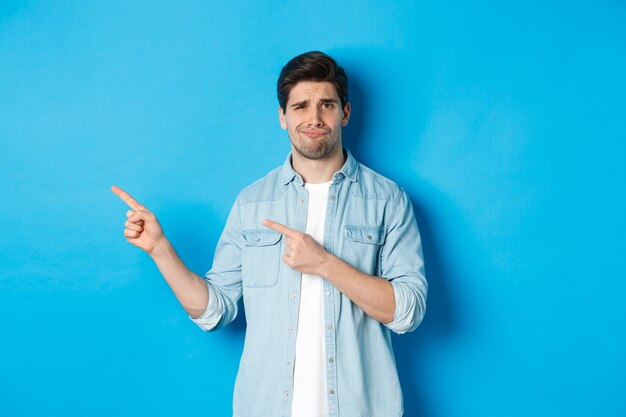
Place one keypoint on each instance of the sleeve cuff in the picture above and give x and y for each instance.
(408, 314)
(213, 313)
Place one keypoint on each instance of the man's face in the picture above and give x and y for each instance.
(313, 119)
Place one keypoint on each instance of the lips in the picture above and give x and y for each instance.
(314, 133)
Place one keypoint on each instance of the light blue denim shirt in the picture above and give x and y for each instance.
(370, 225)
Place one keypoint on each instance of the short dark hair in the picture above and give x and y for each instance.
(311, 66)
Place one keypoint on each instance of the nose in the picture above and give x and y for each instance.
(315, 118)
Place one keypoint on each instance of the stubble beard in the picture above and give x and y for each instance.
(313, 148)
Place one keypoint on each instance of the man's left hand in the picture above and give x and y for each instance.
(302, 252)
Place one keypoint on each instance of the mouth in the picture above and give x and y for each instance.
(312, 133)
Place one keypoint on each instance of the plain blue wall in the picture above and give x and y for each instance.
(504, 122)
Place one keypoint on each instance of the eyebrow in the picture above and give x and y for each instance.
(322, 100)
(299, 103)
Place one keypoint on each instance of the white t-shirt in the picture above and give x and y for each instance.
(309, 381)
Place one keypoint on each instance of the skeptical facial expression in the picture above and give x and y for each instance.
(313, 118)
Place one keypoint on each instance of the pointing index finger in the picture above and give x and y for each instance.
(128, 199)
(279, 227)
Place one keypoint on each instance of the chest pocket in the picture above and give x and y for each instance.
(366, 234)
(261, 257)
(362, 247)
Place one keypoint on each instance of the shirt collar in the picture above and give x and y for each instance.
(349, 170)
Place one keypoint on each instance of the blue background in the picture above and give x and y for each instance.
(504, 122)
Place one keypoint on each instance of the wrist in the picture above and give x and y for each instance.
(162, 248)
(327, 265)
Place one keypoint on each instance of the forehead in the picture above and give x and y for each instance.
(312, 90)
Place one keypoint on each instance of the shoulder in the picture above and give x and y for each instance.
(373, 186)
(266, 188)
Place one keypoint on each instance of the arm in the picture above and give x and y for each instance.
(373, 294)
(399, 299)
(402, 263)
(190, 290)
(304, 254)
(143, 230)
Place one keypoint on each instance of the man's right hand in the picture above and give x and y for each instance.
(142, 228)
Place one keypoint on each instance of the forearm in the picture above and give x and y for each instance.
(374, 295)
(189, 288)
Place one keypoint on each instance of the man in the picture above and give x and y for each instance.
(327, 256)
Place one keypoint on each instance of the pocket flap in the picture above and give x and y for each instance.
(366, 234)
(260, 237)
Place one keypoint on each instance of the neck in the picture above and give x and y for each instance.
(315, 171)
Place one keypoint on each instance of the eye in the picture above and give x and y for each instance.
(327, 105)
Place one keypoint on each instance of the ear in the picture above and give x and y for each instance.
(346, 114)
(281, 118)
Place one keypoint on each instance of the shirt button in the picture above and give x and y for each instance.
(369, 237)
(331, 360)
(286, 393)
(331, 392)
(291, 329)
(329, 326)
(293, 297)
(332, 197)
(327, 292)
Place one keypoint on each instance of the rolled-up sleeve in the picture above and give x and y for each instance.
(402, 263)
(213, 313)
(224, 278)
